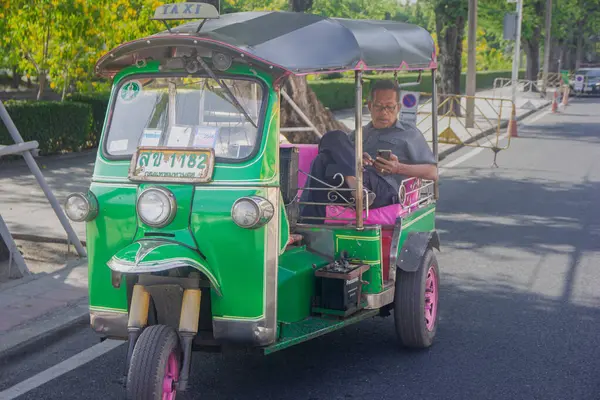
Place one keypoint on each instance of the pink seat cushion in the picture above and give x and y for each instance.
(306, 154)
(378, 216)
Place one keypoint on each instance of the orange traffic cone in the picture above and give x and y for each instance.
(512, 123)
(566, 96)
(554, 102)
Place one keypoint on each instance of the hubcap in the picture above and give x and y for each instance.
(431, 298)
(170, 378)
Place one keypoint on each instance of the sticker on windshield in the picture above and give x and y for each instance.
(130, 91)
(118, 145)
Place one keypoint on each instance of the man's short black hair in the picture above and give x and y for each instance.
(384, 84)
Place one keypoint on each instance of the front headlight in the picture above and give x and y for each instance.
(81, 207)
(156, 207)
(252, 212)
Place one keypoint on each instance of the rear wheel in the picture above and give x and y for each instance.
(416, 303)
(155, 365)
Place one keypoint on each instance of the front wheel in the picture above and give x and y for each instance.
(416, 303)
(155, 365)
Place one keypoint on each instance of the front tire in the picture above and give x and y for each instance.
(416, 303)
(155, 365)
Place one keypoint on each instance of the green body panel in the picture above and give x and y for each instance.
(237, 254)
(365, 245)
(296, 284)
(113, 229)
(422, 220)
(180, 226)
(313, 327)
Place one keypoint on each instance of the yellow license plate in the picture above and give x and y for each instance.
(172, 165)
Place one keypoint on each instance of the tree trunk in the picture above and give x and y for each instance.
(16, 78)
(579, 51)
(532, 51)
(41, 84)
(450, 35)
(302, 95)
(300, 5)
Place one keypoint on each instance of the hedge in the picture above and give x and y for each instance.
(99, 104)
(57, 127)
(338, 94)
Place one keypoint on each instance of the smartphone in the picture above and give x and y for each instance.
(385, 154)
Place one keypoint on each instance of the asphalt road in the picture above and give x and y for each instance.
(520, 305)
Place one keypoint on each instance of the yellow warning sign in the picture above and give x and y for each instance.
(449, 137)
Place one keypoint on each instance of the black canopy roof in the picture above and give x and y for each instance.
(289, 42)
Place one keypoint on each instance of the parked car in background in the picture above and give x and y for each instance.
(591, 81)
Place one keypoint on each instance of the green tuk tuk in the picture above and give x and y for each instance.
(194, 232)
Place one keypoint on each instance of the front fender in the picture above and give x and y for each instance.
(147, 256)
(414, 248)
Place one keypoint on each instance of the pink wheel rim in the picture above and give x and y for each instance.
(170, 378)
(431, 298)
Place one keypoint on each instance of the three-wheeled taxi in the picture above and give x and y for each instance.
(194, 235)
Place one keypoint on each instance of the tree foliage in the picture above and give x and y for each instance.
(62, 39)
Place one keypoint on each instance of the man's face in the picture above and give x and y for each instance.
(384, 108)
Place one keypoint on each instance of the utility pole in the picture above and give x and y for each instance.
(516, 58)
(471, 68)
(547, 45)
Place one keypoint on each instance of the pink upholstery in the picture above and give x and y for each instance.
(306, 154)
(379, 216)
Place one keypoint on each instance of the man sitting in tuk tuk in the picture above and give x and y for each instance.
(410, 155)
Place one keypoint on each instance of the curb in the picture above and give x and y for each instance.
(44, 329)
(443, 154)
(43, 239)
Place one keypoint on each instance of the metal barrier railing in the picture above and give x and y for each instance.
(481, 128)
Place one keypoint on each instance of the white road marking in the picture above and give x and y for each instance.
(60, 369)
(478, 150)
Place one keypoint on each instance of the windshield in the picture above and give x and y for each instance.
(196, 112)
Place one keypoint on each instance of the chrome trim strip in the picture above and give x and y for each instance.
(375, 301)
(271, 261)
(394, 250)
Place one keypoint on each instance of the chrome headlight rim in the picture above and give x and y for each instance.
(265, 210)
(90, 201)
(171, 201)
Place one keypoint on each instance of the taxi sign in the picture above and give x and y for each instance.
(186, 11)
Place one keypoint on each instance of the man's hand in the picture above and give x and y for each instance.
(386, 167)
(393, 166)
(367, 160)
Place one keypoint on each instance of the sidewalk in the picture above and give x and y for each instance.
(52, 299)
(42, 305)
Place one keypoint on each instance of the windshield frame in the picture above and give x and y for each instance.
(127, 78)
